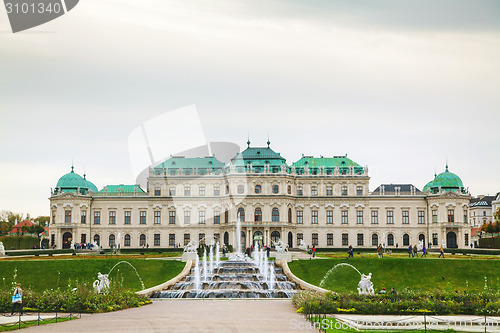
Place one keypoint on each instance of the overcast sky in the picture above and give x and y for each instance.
(399, 86)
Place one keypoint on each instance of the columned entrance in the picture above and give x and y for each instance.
(67, 238)
(258, 238)
(451, 240)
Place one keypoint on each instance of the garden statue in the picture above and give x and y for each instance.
(303, 246)
(280, 246)
(191, 247)
(102, 283)
(2, 249)
(365, 286)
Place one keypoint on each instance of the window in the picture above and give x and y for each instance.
(126, 241)
(258, 189)
(227, 189)
(275, 215)
(187, 217)
(187, 239)
(406, 217)
(157, 219)
(451, 215)
(314, 190)
(374, 240)
(202, 216)
(83, 238)
(83, 218)
(299, 191)
(314, 217)
(345, 239)
(171, 191)
(241, 189)
(466, 239)
(216, 237)
(171, 217)
(142, 240)
(406, 240)
(390, 240)
(97, 217)
(329, 239)
(421, 217)
(201, 239)
(315, 239)
(359, 190)
(258, 215)
(202, 191)
(53, 217)
(435, 239)
(241, 214)
(226, 216)
(97, 239)
(112, 217)
(111, 240)
(434, 216)
(157, 191)
(187, 191)
(67, 216)
(300, 238)
(345, 217)
(289, 215)
(216, 191)
(128, 217)
(344, 190)
(484, 213)
(289, 189)
(374, 216)
(361, 241)
(300, 217)
(329, 190)
(465, 216)
(276, 189)
(216, 217)
(390, 217)
(142, 217)
(329, 217)
(171, 239)
(359, 217)
(156, 241)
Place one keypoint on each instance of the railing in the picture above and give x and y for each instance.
(57, 316)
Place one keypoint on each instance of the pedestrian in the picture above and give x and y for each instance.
(17, 300)
(383, 290)
(314, 251)
(441, 251)
(380, 251)
(424, 251)
(393, 291)
(410, 251)
(268, 251)
(224, 251)
(415, 250)
(397, 245)
(351, 252)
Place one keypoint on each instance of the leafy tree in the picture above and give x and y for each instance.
(42, 220)
(496, 215)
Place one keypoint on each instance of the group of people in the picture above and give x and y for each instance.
(413, 251)
(249, 250)
(383, 291)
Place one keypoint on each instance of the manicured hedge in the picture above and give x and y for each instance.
(141, 250)
(38, 252)
(490, 243)
(21, 242)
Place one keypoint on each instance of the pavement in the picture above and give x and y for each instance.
(191, 316)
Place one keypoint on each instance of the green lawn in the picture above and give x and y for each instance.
(414, 274)
(51, 274)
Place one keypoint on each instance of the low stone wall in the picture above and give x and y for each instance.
(148, 292)
(300, 283)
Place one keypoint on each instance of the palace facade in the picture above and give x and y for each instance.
(322, 201)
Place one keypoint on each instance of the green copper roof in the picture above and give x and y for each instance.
(122, 189)
(446, 181)
(176, 162)
(72, 181)
(258, 156)
(328, 163)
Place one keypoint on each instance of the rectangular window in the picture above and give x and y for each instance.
(226, 216)
(157, 219)
(451, 215)
(374, 216)
(216, 237)
(171, 240)
(128, 217)
(171, 217)
(53, 217)
(97, 217)
(216, 190)
(315, 239)
(142, 217)
(187, 239)
(299, 191)
(314, 217)
(344, 190)
(329, 239)
(300, 238)
(345, 217)
(201, 239)
(126, 241)
(465, 217)
(406, 217)
(329, 217)
(156, 239)
(216, 217)
(359, 217)
(435, 239)
(187, 217)
(202, 191)
(171, 192)
(84, 217)
(466, 239)
(345, 239)
(112, 217)
(390, 217)
(434, 216)
(300, 216)
(314, 190)
(202, 216)
(67, 216)
(187, 191)
(359, 190)
(421, 217)
(329, 190)
(157, 191)
(361, 241)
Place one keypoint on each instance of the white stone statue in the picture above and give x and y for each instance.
(365, 286)
(191, 247)
(280, 246)
(102, 283)
(420, 245)
(303, 246)
(2, 249)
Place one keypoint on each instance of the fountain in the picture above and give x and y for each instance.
(217, 255)
(205, 269)
(365, 285)
(2, 250)
(197, 277)
(211, 256)
(102, 282)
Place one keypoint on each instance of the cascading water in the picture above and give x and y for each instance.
(211, 256)
(205, 268)
(197, 275)
(217, 255)
(272, 278)
(266, 269)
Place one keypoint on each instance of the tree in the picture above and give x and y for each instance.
(496, 215)
(42, 220)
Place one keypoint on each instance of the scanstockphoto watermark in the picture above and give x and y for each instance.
(324, 324)
(26, 14)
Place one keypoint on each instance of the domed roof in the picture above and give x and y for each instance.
(428, 186)
(447, 180)
(72, 181)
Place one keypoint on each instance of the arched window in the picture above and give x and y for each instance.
(276, 189)
(390, 240)
(97, 239)
(406, 240)
(258, 215)
(241, 189)
(241, 214)
(375, 240)
(275, 215)
(258, 189)
(289, 189)
(111, 240)
(275, 236)
(126, 241)
(289, 215)
(226, 238)
(142, 240)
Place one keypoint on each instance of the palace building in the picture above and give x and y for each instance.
(322, 201)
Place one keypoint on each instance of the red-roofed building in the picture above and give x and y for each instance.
(18, 229)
